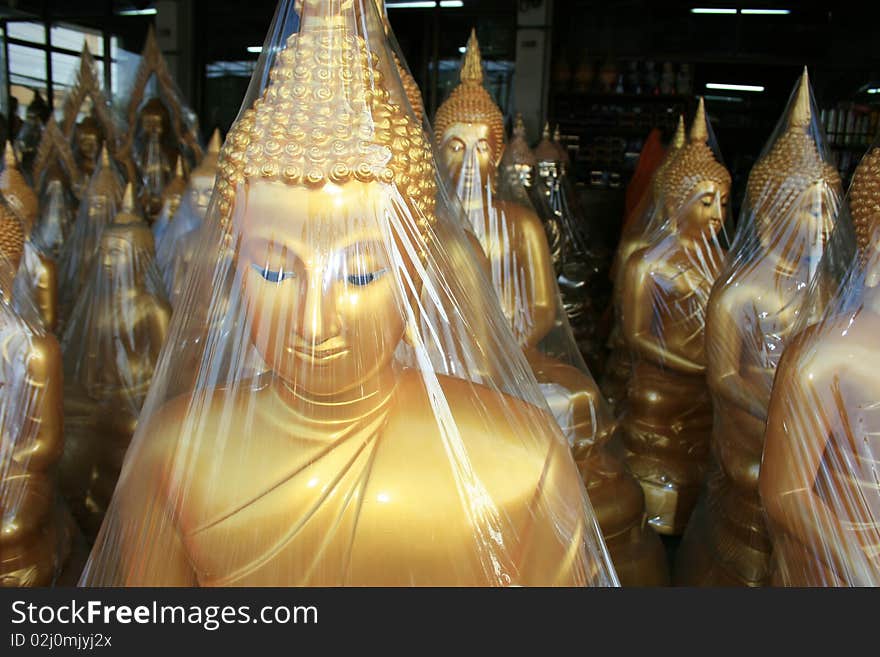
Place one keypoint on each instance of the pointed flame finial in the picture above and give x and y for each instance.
(678, 138)
(105, 156)
(699, 130)
(9, 156)
(801, 112)
(128, 198)
(472, 67)
(519, 127)
(216, 142)
(545, 133)
(178, 167)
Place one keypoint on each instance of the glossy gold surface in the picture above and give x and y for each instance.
(17, 192)
(410, 86)
(519, 263)
(646, 214)
(794, 195)
(121, 330)
(666, 288)
(156, 155)
(316, 412)
(54, 153)
(821, 450)
(34, 541)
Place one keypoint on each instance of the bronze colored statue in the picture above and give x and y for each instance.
(35, 540)
(818, 474)
(155, 157)
(322, 498)
(666, 285)
(111, 343)
(792, 200)
(469, 132)
(647, 218)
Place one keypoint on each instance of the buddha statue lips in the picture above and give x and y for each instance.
(326, 204)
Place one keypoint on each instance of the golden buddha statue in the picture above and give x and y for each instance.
(470, 133)
(88, 141)
(99, 205)
(647, 218)
(410, 86)
(155, 156)
(818, 473)
(576, 258)
(35, 540)
(792, 200)
(321, 498)
(666, 285)
(40, 274)
(111, 344)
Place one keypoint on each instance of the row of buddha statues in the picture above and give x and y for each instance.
(353, 351)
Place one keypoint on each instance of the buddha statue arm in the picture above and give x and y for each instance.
(47, 292)
(724, 337)
(45, 408)
(804, 413)
(543, 280)
(639, 290)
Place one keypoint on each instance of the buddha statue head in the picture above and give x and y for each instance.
(518, 160)
(88, 139)
(154, 117)
(11, 237)
(792, 190)
(563, 157)
(122, 240)
(327, 188)
(105, 189)
(547, 155)
(18, 193)
(864, 201)
(469, 127)
(679, 139)
(201, 180)
(697, 186)
(175, 189)
(410, 87)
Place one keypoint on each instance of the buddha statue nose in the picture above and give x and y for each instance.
(317, 319)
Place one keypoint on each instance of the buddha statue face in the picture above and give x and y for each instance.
(469, 153)
(153, 117)
(200, 188)
(807, 221)
(318, 283)
(703, 215)
(114, 253)
(88, 142)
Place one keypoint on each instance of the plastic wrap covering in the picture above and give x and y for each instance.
(789, 211)
(56, 218)
(87, 121)
(577, 260)
(172, 195)
(55, 160)
(818, 478)
(518, 260)
(296, 432)
(111, 344)
(160, 126)
(178, 240)
(643, 222)
(28, 139)
(35, 541)
(99, 205)
(668, 417)
(410, 86)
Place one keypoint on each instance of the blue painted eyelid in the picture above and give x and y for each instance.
(271, 275)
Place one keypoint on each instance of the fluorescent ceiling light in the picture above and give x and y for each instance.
(874, 90)
(712, 10)
(733, 87)
(445, 4)
(137, 12)
(255, 49)
(766, 12)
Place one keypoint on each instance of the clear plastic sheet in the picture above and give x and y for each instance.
(35, 541)
(791, 205)
(818, 479)
(55, 160)
(178, 240)
(643, 221)
(160, 126)
(579, 262)
(665, 290)
(172, 195)
(111, 344)
(28, 140)
(99, 205)
(410, 88)
(519, 264)
(296, 432)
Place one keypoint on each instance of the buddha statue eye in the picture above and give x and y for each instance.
(364, 279)
(271, 275)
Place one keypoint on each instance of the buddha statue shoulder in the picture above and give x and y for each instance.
(792, 201)
(821, 448)
(35, 540)
(665, 291)
(337, 410)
